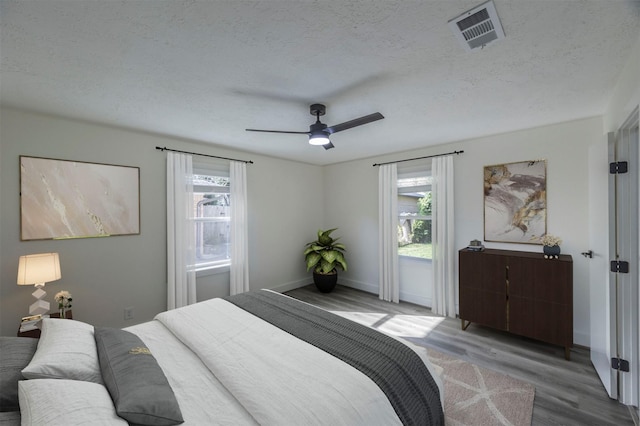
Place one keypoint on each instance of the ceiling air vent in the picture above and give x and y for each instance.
(478, 27)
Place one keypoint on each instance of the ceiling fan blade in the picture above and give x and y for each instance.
(277, 131)
(356, 122)
(328, 145)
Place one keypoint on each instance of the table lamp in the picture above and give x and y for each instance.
(37, 269)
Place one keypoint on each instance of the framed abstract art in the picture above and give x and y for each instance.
(515, 202)
(72, 199)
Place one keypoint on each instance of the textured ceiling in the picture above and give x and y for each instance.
(206, 70)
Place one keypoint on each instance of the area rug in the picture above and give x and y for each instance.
(477, 396)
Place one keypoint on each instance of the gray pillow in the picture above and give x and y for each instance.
(138, 387)
(16, 352)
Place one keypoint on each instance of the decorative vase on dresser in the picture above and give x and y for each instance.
(551, 251)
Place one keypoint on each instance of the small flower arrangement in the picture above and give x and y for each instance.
(550, 240)
(64, 301)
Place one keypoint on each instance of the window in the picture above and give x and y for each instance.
(414, 214)
(212, 220)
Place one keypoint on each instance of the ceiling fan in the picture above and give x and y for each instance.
(319, 132)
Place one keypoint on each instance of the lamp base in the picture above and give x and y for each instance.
(39, 307)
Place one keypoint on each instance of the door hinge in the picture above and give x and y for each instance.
(618, 167)
(620, 364)
(620, 266)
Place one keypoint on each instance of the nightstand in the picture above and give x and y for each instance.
(36, 333)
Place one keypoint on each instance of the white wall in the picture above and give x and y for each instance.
(626, 93)
(565, 146)
(107, 274)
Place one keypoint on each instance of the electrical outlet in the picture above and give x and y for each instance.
(128, 313)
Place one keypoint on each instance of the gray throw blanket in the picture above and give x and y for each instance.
(395, 368)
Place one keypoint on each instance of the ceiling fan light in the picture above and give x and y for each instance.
(319, 138)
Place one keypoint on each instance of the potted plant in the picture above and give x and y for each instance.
(325, 255)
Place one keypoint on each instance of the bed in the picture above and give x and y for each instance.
(256, 358)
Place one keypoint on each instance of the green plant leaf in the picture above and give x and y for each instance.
(326, 267)
(312, 259)
(329, 255)
(341, 261)
(324, 240)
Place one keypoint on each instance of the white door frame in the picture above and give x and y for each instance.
(615, 297)
(627, 249)
(602, 292)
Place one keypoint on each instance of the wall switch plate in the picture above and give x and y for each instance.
(128, 313)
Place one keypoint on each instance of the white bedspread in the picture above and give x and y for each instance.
(202, 398)
(229, 367)
(276, 377)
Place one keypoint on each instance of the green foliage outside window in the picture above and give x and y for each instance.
(418, 243)
(421, 232)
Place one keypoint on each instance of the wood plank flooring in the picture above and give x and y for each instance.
(567, 392)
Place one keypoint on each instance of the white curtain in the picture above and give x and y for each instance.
(388, 233)
(181, 284)
(444, 289)
(239, 230)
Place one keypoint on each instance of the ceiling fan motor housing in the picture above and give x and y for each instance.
(318, 127)
(317, 110)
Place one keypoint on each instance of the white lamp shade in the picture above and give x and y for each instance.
(39, 268)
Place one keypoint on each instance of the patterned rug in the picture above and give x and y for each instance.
(477, 396)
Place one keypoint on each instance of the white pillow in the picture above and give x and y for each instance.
(66, 402)
(66, 350)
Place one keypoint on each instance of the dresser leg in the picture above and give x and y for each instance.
(567, 353)
(464, 326)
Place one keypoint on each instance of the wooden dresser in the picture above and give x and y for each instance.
(519, 292)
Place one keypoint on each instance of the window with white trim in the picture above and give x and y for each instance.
(414, 213)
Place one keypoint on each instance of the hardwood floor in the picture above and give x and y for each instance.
(567, 392)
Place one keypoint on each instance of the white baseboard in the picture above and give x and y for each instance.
(581, 339)
(369, 288)
(358, 285)
(292, 285)
(416, 299)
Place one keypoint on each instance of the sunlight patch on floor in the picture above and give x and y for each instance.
(396, 324)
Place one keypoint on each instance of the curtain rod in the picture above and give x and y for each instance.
(202, 155)
(418, 158)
